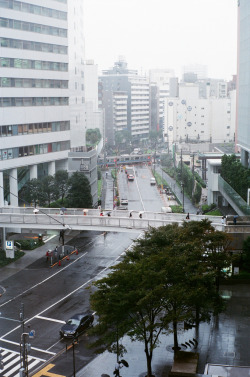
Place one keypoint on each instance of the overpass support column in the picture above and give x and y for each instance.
(33, 172)
(1, 190)
(13, 188)
(51, 168)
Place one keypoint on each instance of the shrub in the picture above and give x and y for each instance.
(5, 261)
(29, 244)
(177, 209)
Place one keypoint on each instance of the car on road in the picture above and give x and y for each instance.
(124, 202)
(76, 325)
(131, 177)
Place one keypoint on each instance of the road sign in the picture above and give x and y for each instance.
(32, 334)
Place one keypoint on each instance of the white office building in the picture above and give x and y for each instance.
(191, 119)
(42, 112)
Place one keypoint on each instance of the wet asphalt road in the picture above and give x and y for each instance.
(52, 295)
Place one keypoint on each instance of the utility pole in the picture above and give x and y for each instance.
(181, 167)
(182, 187)
(192, 155)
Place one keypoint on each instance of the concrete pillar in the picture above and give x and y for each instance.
(51, 168)
(1, 190)
(33, 172)
(13, 187)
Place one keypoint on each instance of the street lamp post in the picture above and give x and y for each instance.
(24, 346)
(182, 187)
(192, 155)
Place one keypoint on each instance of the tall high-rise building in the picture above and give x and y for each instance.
(128, 86)
(42, 112)
(243, 101)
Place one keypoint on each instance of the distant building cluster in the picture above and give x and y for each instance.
(51, 95)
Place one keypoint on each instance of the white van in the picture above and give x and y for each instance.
(152, 181)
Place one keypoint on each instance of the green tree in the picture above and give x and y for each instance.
(79, 192)
(30, 192)
(48, 190)
(164, 279)
(129, 301)
(93, 136)
(61, 183)
(235, 174)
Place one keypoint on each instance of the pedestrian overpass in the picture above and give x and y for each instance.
(78, 219)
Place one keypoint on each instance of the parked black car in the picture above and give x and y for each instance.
(76, 325)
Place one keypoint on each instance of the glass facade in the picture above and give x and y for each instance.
(29, 26)
(243, 132)
(33, 128)
(33, 101)
(33, 64)
(31, 150)
(9, 82)
(34, 9)
(34, 46)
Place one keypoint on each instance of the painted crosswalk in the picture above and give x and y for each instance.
(11, 363)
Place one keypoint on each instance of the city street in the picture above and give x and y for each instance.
(51, 295)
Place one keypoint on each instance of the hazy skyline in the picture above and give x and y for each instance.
(163, 34)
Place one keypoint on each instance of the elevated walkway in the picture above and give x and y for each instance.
(115, 221)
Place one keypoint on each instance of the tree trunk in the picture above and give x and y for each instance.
(149, 360)
(176, 345)
(197, 316)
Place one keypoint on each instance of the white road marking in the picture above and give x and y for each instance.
(18, 344)
(50, 319)
(63, 298)
(43, 281)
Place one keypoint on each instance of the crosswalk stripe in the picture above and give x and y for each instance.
(11, 363)
(30, 366)
(9, 357)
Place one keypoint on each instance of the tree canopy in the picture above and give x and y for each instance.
(79, 192)
(170, 276)
(235, 174)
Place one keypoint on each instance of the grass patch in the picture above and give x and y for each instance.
(216, 212)
(177, 209)
(99, 188)
(5, 261)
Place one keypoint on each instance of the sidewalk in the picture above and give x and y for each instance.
(31, 256)
(188, 206)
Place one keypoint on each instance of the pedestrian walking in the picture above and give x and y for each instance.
(47, 256)
(235, 219)
(223, 220)
(56, 253)
(118, 366)
(187, 217)
(140, 215)
(130, 214)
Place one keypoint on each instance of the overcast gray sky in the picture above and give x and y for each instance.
(163, 34)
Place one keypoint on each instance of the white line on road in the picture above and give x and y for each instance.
(63, 298)
(43, 281)
(18, 344)
(50, 319)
